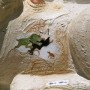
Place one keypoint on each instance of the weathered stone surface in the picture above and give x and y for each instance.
(69, 81)
(9, 9)
(14, 62)
(51, 21)
(79, 37)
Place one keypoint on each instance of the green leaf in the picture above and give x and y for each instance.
(35, 39)
(23, 41)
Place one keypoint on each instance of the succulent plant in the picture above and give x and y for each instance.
(33, 39)
(23, 41)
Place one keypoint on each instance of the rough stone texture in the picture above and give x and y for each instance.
(14, 62)
(9, 9)
(53, 17)
(50, 82)
(79, 37)
(78, 1)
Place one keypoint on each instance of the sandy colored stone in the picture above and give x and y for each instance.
(55, 18)
(69, 81)
(79, 37)
(14, 62)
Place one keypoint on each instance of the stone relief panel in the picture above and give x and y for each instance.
(40, 42)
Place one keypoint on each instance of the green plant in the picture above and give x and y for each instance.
(27, 42)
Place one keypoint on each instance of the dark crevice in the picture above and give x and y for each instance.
(43, 44)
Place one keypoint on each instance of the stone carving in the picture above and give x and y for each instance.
(53, 58)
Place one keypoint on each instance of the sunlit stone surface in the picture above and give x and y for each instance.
(79, 37)
(52, 64)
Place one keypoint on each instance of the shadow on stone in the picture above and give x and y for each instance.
(83, 1)
(4, 23)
